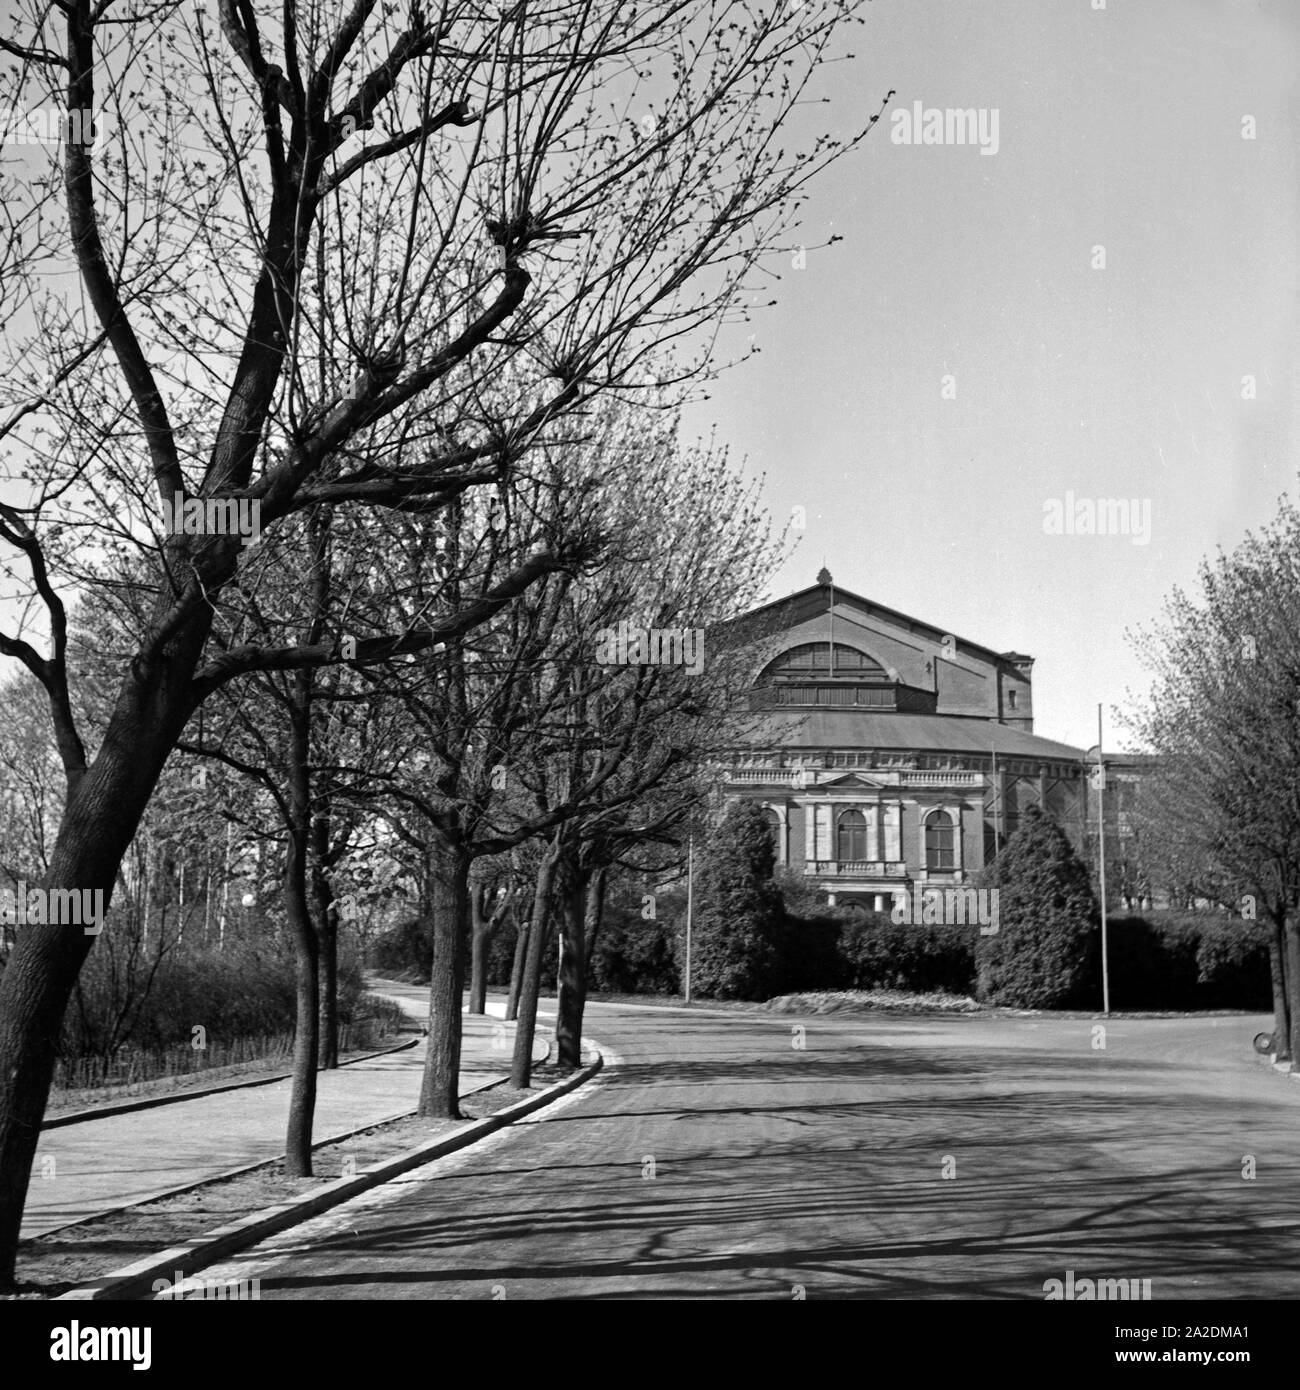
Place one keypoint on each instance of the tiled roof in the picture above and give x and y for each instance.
(929, 733)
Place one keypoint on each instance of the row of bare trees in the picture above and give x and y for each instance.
(338, 269)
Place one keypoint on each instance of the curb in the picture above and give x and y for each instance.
(104, 1112)
(136, 1280)
(244, 1168)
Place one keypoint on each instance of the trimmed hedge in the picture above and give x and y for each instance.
(881, 954)
(1173, 961)
(810, 954)
(1165, 961)
(1162, 961)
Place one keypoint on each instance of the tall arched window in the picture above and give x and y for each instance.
(939, 842)
(851, 838)
(773, 831)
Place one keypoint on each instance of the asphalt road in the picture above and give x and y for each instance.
(725, 1155)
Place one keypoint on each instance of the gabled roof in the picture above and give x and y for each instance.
(843, 595)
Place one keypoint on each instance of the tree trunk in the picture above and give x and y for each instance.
(440, 1090)
(572, 992)
(306, 1039)
(100, 818)
(329, 983)
(595, 912)
(38, 979)
(1293, 985)
(521, 1070)
(479, 949)
(327, 927)
(517, 968)
(306, 944)
(479, 937)
(1281, 1007)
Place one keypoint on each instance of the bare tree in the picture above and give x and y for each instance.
(645, 699)
(373, 264)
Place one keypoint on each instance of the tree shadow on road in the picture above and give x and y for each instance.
(860, 1172)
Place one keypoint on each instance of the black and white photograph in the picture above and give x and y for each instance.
(649, 652)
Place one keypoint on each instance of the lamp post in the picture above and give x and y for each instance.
(690, 904)
(1099, 781)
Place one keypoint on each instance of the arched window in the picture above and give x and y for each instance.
(939, 842)
(851, 836)
(813, 674)
(814, 660)
(773, 830)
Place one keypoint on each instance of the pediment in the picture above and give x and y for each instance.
(855, 781)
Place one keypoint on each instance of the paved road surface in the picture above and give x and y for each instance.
(823, 1167)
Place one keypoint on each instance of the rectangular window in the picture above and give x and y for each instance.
(939, 842)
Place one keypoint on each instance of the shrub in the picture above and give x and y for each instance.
(372, 1020)
(1042, 955)
(1232, 969)
(810, 950)
(1177, 961)
(882, 954)
(1151, 966)
(404, 951)
(501, 956)
(245, 990)
(135, 1009)
(635, 956)
(1166, 961)
(352, 993)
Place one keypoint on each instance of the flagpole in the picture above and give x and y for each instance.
(1101, 859)
(997, 809)
(831, 586)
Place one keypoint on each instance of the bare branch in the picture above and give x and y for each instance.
(370, 651)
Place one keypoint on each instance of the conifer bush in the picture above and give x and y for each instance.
(1043, 955)
(736, 940)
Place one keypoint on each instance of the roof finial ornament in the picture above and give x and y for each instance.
(823, 575)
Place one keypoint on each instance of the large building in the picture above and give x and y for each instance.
(887, 752)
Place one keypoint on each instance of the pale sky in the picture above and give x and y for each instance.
(1119, 128)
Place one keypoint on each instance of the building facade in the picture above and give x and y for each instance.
(886, 752)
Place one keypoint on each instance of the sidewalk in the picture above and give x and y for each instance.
(119, 1160)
